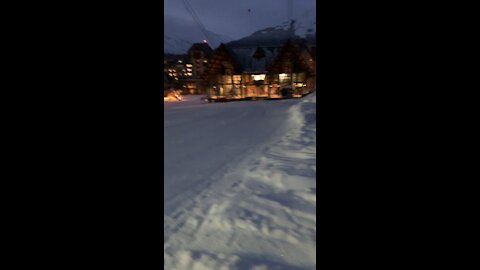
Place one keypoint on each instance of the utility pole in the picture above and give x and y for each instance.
(290, 18)
(290, 10)
(291, 32)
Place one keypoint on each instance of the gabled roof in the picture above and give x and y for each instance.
(256, 59)
(297, 51)
(248, 60)
(204, 47)
(222, 53)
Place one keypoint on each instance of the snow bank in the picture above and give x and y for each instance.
(187, 101)
(261, 214)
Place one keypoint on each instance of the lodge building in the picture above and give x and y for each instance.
(175, 70)
(253, 72)
(187, 72)
(232, 72)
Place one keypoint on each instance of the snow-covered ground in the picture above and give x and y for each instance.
(240, 185)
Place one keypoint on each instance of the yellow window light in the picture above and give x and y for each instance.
(259, 77)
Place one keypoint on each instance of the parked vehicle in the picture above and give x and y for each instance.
(287, 91)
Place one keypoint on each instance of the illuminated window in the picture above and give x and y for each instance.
(284, 78)
(226, 79)
(189, 65)
(259, 77)
(237, 79)
(180, 61)
(205, 61)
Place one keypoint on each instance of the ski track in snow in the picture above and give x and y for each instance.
(257, 211)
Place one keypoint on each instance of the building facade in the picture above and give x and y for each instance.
(199, 56)
(187, 72)
(176, 71)
(252, 72)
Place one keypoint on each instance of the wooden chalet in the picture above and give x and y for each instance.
(199, 56)
(175, 71)
(187, 72)
(261, 72)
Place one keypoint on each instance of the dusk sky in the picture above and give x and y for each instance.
(233, 18)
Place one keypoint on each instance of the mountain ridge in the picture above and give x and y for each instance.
(304, 27)
(181, 34)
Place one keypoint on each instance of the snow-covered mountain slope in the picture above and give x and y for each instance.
(180, 34)
(304, 27)
(306, 24)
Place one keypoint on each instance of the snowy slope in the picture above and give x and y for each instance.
(180, 34)
(306, 23)
(240, 185)
(304, 27)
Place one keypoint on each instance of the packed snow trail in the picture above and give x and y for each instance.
(204, 140)
(250, 201)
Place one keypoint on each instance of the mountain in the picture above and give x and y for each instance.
(180, 34)
(306, 24)
(304, 27)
